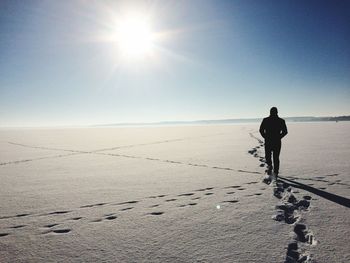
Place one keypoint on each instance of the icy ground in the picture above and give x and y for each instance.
(174, 194)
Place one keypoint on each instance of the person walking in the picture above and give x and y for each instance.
(273, 129)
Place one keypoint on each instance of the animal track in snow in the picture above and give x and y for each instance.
(97, 220)
(232, 186)
(189, 204)
(50, 225)
(18, 215)
(187, 194)
(171, 200)
(61, 231)
(93, 205)
(58, 213)
(76, 218)
(204, 189)
(230, 201)
(192, 198)
(17, 226)
(22, 215)
(126, 208)
(111, 217)
(156, 213)
(127, 202)
(252, 182)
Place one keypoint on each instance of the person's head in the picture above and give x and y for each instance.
(273, 111)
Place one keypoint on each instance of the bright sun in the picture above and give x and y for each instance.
(134, 36)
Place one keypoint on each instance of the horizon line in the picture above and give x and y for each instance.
(183, 122)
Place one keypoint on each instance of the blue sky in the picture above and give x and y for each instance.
(219, 59)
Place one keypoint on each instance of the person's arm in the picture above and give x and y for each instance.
(284, 131)
(262, 129)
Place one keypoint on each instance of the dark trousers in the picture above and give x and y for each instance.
(273, 148)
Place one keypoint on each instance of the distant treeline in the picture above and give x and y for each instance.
(337, 118)
(228, 121)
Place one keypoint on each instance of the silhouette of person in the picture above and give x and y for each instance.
(273, 129)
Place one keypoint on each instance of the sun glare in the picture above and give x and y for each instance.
(134, 36)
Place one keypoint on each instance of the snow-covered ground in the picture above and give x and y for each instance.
(174, 194)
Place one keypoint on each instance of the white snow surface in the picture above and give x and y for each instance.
(173, 194)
